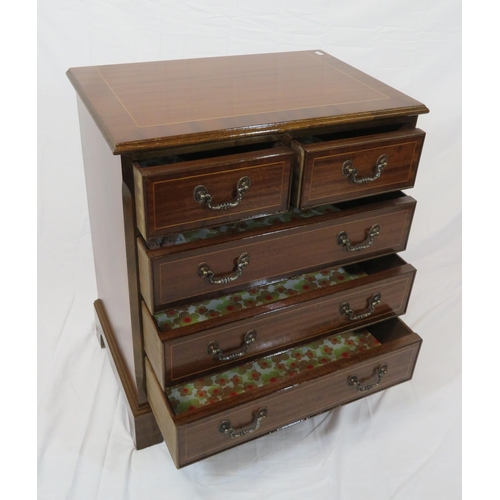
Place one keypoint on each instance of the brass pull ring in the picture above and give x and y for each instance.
(225, 425)
(345, 308)
(381, 371)
(201, 195)
(350, 172)
(204, 271)
(214, 349)
(344, 241)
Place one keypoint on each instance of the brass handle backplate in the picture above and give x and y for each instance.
(201, 195)
(225, 425)
(381, 371)
(204, 271)
(349, 171)
(344, 241)
(345, 308)
(214, 349)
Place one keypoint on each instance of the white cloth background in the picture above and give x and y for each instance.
(404, 443)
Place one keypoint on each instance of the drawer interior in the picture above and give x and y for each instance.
(198, 312)
(233, 386)
(346, 134)
(170, 159)
(241, 226)
(304, 285)
(266, 371)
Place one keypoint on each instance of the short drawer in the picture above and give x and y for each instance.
(333, 170)
(197, 190)
(207, 416)
(197, 338)
(210, 267)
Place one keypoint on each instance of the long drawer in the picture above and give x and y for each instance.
(226, 421)
(332, 170)
(182, 344)
(208, 267)
(201, 189)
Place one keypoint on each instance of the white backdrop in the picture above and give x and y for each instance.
(404, 443)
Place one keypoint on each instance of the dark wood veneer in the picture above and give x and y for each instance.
(111, 212)
(144, 429)
(164, 194)
(181, 353)
(228, 117)
(319, 166)
(169, 275)
(161, 104)
(194, 435)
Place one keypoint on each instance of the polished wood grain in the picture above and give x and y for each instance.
(160, 104)
(310, 244)
(165, 194)
(143, 426)
(176, 356)
(145, 269)
(356, 129)
(163, 414)
(223, 118)
(153, 346)
(111, 213)
(194, 435)
(319, 166)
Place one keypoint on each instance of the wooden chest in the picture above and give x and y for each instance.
(246, 214)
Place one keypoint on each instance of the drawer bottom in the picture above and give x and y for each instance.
(282, 367)
(385, 355)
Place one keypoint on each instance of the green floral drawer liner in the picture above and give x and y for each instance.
(286, 365)
(254, 297)
(238, 227)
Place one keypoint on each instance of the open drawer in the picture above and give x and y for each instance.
(211, 414)
(210, 263)
(192, 190)
(191, 340)
(333, 169)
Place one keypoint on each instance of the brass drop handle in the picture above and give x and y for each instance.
(381, 371)
(225, 425)
(349, 171)
(214, 349)
(201, 195)
(345, 308)
(204, 271)
(344, 241)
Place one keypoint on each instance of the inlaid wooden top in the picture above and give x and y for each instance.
(158, 104)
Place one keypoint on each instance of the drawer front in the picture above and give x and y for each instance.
(187, 195)
(195, 439)
(377, 297)
(372, 232)
(334, 171)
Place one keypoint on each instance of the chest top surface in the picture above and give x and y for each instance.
(149, 105)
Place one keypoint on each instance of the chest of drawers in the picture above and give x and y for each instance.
(246, 216)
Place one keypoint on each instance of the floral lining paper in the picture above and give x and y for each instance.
(247, 377)
(238, 227)
(254, 297)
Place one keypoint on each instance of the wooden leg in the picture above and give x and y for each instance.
(145, 431)
(99, 336)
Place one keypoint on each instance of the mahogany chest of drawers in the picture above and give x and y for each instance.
(246, 213)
